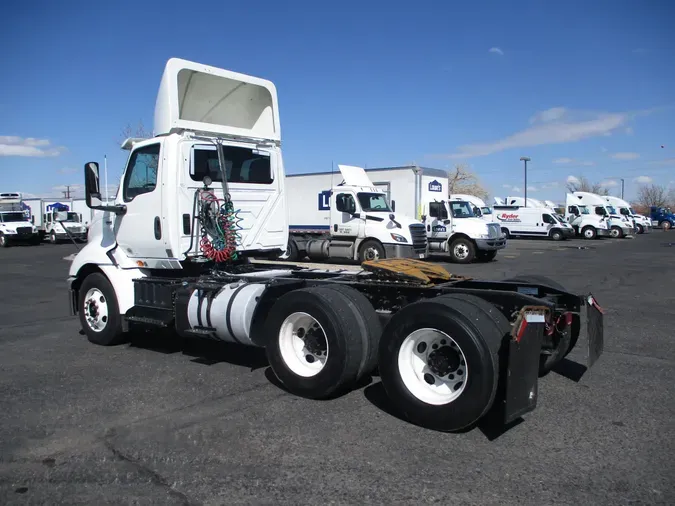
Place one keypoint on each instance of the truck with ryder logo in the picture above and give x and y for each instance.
(517, 221)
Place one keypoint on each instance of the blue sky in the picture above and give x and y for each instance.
(583, 88)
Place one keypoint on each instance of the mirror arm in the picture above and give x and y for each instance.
(117, 209)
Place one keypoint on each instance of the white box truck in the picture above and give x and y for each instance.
(208, 191)
(59, 220)
(15, 225)
(345, 215)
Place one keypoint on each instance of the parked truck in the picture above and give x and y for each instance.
(531, 221)
(662, 217)
(207, 192)
(15, 225)
(641, 223)
(480, 209)
(347, 216)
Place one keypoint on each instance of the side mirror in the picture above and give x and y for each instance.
(92, 189)
(32, 220)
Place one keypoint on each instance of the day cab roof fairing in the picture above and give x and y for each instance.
(210, 100)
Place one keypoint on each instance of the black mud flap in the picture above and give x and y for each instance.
(522, 373)
(594, 330)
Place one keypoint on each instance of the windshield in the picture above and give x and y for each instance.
(559, 218)
(624, 211)
(461, 209)
(373, 202)
(486, 210)
(73, 217)
(583, 210)
(8, 217)
(611, 209)
(630, 210)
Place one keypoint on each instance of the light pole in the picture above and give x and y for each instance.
(525, 159)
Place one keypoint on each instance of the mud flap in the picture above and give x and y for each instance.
(594, 330)
(522, 373)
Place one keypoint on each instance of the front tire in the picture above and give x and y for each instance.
(616, 232)
(99, 312)
(439, 360)
(589, 233)
(4, 243)
(665, 225)
(486, 256)
(462, 250)
(371, 250)
(640, 228)
(557, 235)
(317, 350)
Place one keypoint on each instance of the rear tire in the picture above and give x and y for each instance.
(316, 342)
(665, 225)
(99, 312)
(439, 360)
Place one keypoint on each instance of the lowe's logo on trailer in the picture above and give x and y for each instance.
(324, 200)
(57, 206)
(435, 186)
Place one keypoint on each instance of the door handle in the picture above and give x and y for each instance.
(158, 228)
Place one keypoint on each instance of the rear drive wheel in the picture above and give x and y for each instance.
(439, 361)
(569, 337)
(640, 228)
(462, 250)
(316, 347)
(99, 312)
(589, 232)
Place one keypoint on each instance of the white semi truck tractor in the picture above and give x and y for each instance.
(345, 216)
(207, 192)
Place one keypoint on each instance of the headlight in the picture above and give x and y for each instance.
(483, 236)
(398, 238)
(9, 231)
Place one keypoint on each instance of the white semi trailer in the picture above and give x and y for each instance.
(208, 191)
(345, 215)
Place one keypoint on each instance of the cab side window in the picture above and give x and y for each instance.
(548, 219)
(573, 210)
(345, 203)
(599, 210)
(141, 176)
(437, 210)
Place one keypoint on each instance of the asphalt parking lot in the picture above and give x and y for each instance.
(160, 422)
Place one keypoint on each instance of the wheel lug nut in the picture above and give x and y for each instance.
(434, 346)
(442, 342)
(309, 358)
(421, 348)
(429, 379)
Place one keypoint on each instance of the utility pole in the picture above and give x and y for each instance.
(621, 188)
(525, 159)
(66, 192)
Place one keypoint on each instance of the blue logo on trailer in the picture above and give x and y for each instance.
(324, 200)
(435, 186)
(57, 206)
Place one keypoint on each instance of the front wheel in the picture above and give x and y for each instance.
(487, 256)
(99, 312)
(52, 238)
(4, 243)
(589, 233)
(640, 229)
(557, 235)
(462, 250)
(665, 225)
(616, 232)
(371, 250)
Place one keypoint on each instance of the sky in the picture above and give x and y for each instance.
(582, 88)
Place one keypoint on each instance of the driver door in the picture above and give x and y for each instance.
(437, 214)
(343, 222)
(142, 232)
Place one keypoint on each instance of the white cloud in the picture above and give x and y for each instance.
(12, 145)
(552, 184)
(625, 156)
(554, 126)
(667, 162)
(532, 189)
(587, 163)
(515, 189)
(603, 149)
(563, 160)
(496, 50)
(573, 180)
(611, 183)
(67, 170)
(643, 179)
(629, 130)
(507, 186)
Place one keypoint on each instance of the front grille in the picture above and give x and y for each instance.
(419, 237)
(494, 230)
(24, 230)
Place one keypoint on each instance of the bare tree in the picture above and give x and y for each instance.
(654, 195)
(462, 180)
(139, 132)
(584, 185)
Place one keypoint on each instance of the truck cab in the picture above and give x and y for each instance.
(480, 209)
(15, 226)
(662, 217)
(641, 223)
(586, 224)
(619, 226)
(61, 224)
(452, 227)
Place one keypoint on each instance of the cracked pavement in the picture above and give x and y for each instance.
(160, 421)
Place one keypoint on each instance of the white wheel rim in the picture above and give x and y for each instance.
(615, 232)
(95, 310)
(446, 367)
(372, 254)
(303, 344)
(588, 233)
(461, 251)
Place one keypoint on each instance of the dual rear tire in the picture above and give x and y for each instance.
(438, 359)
